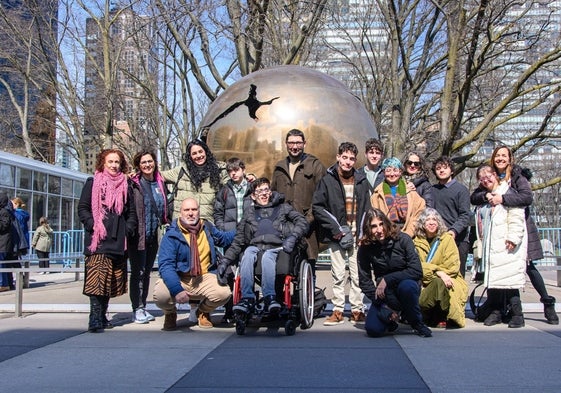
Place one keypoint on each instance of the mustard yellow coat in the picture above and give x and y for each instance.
(447, 260)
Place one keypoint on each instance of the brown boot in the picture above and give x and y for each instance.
(203, 320)
(170, 321)
(334, 319)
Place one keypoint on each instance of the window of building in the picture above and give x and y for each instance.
(40, 182)
(7, 175)
(23, 178)
(54, 184)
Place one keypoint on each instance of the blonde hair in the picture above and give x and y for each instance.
(18, 202)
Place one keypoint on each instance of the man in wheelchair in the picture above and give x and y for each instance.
(268, 226)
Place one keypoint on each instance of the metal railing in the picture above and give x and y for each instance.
(66, 246)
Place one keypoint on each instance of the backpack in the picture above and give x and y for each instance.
(320, 301)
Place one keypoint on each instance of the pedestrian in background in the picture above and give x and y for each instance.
(42, 241)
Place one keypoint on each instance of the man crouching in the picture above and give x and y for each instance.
(187, 263)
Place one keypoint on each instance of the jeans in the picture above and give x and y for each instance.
(407, 293)
(141, 262)
(4, 281)
(268, 268)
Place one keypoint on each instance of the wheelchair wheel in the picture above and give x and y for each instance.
(306, 295)
(290, 328)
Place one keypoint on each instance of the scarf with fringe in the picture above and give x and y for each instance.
(193, 231)
(109, 193)
(398, 204)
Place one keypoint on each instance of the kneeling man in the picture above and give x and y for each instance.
(187, 265)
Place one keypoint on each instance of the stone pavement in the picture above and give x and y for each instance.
(52, 352)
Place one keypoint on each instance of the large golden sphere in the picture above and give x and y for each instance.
(251, 118)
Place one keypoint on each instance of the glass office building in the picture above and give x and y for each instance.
(46, 189)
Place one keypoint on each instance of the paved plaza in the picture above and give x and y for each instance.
(49, 350)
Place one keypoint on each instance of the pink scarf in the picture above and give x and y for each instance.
(109, 193)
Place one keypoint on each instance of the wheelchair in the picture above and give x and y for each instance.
(294, 288)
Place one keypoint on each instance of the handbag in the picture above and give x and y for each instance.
(477, 249)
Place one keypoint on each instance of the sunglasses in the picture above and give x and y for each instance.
(416, 164)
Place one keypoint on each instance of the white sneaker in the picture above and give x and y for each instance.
(149, 316)
(139, 317)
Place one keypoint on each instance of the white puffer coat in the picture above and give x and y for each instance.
(503, 269)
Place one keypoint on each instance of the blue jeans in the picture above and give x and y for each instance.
(407, 293)
(4, 280)
(268, 268)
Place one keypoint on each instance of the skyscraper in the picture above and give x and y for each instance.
(28, 35)
(120, 76)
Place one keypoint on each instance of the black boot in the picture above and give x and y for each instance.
(95, 323)
(104, 300)
(494, 318)
(549, 310)
(517, 317)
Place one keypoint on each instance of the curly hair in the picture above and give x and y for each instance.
(392, 231)
(100, 162)
(210, 169)
(429, 212)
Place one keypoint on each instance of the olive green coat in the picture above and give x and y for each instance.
(447, 260)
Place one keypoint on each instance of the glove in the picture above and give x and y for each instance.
(288, 244)
(221, 272)
(347, 241)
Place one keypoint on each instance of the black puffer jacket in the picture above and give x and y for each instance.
(6, 219)
(423, 188)
(288, 222)
(225, 213)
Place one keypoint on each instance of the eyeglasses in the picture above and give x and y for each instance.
(262, 191)
(392, 170)
(416, 164)
(294, 143)
(487, 177)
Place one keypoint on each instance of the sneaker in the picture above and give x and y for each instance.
(357, 317)
(271, 305)
(139, 317)
(441, 325)
(422, 329)
(203, 320)
(335, 318)
(149, 316)
(245, 305)
(493, 319)
(170, 321)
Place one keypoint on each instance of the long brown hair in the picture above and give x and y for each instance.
(392, 231)
(510, 161)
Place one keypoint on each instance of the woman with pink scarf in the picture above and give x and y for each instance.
(106, 209)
